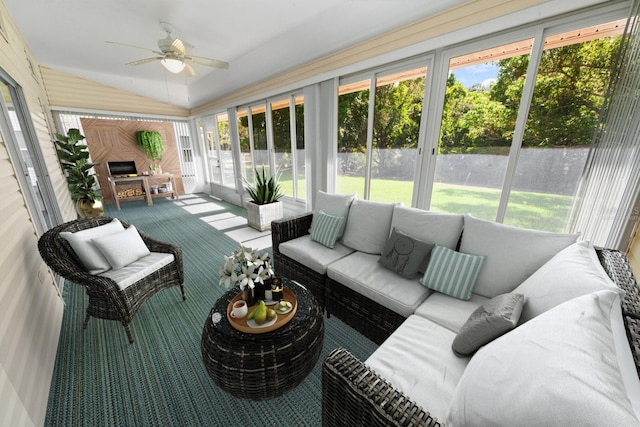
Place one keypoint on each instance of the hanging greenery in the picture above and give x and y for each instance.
(151, 143)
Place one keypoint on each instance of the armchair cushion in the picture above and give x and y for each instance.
(92, 259)
(131, 273)
(122, 248)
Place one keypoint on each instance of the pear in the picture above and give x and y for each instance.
(260, 315)
(271, 314)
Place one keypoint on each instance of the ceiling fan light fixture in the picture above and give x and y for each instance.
(173, 65)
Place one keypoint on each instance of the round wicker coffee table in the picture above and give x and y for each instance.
(266, 365)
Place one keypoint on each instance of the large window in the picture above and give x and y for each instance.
(513, 145)
(569, 91)
(272, 134)
(378, 136)
(478, 122)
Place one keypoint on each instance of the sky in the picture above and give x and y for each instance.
(473, 74)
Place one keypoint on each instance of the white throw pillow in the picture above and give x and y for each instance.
(91, 258)
(512, 253)
(572, 272)
(430, 227)
(368, 226)
(122, 248)
(333, 204)
(559, 369)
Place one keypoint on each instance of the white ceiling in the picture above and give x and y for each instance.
(259, 38)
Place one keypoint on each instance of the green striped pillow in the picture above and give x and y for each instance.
(452, 273)
(326, 228)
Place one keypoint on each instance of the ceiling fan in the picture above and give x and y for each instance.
(172, 54)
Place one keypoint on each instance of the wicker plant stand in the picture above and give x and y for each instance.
(263, 366)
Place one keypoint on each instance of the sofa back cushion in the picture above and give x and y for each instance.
(368, 226)
(333, 204)
(431, 227)
(561, 368)
(511, 254)
(572, 272)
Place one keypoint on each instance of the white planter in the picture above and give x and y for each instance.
(260, 216)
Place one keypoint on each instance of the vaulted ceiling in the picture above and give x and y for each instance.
(257, 38)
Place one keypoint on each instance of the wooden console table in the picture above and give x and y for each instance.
(146, 187)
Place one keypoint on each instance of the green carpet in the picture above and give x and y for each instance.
(101, 379)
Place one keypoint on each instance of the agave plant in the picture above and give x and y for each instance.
(265, 190)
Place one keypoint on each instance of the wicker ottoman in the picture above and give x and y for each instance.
(263, 366)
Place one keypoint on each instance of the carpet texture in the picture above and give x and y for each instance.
(102, 380)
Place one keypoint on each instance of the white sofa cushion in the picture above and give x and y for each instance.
(368, 226)
(417, 359)
(572, 272)
(558, 369)
(130, 274)
(332, 204)
(122, 248)
(512, 253)
(449, 312)
(312, 254)
(431, 227)
(362, 273)
(91, 258)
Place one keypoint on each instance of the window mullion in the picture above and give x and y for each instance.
(521, 121)
(372, 106)
(294, 144)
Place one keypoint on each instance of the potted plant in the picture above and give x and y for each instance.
(74, 158)
(151, 143)
(246, 268)
(265, 204)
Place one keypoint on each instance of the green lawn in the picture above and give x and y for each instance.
(530, 210)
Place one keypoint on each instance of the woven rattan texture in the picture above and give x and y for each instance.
(289, 229)
(106, 300)
(371, 319)
(354, 395)
(618, 268)
(263, 366)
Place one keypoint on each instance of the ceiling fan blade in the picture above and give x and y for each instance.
(135, 47)
(209, 62)
(180, 46)
(144, 61)
(189, 70)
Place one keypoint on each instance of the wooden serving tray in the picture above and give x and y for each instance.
(281, 319)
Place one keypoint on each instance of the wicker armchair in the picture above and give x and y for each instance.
(106, 300)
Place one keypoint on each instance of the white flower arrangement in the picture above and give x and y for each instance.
(245, 267)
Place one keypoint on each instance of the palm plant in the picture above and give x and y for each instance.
(266, 189)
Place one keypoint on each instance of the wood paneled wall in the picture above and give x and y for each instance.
(115, 140)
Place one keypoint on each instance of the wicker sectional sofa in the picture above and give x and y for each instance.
(570, 357)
